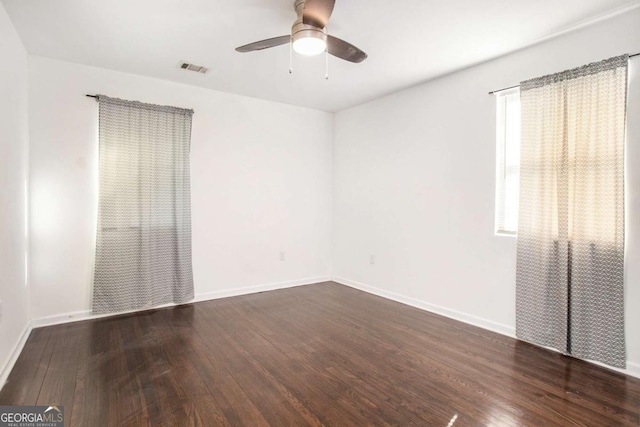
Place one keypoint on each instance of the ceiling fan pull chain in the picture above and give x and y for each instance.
(291, 55)
(326, 61)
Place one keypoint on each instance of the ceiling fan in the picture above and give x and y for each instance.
(309, 34)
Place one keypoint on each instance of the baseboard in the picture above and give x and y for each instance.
(443, 311)
(17, 349)
(633, 369)
(74, 316)
(77, 316)
(207, 296)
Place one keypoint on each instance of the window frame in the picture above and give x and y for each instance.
(502, 142)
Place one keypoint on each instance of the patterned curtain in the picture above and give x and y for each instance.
(143, 248)
(570, 262)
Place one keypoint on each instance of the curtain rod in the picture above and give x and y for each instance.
(513, 87)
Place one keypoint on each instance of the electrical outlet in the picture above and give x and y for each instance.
(282, 256)
(372, 259)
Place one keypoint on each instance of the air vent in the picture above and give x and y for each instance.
(197, 68)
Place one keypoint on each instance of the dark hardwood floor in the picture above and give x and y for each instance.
(315, 355)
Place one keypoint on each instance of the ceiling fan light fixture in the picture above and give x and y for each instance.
(309, 46)
(308, 40)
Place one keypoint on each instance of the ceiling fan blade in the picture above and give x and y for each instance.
(344, 50)
(264, 44)
(317, 12)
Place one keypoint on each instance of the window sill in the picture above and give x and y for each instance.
(504, 233)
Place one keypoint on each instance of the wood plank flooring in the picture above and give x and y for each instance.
(322, 354)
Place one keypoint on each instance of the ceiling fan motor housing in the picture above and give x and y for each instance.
(301, 30)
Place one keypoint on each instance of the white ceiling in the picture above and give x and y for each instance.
(408, 41)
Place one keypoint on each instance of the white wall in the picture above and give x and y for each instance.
(14, 152)
(260, 179)
(414, 185)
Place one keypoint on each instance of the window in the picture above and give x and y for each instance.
(143, 239)
(507, 161)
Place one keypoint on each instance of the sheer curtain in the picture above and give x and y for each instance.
(570, 262)
(143, 246)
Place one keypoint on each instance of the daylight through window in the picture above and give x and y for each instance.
(507, 161)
